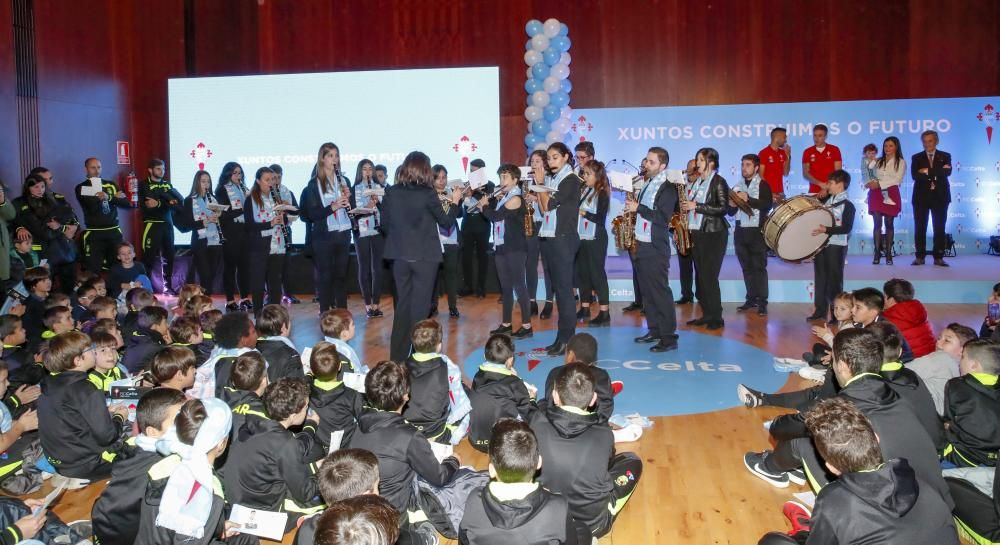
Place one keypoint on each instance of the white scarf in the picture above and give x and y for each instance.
(187, 499)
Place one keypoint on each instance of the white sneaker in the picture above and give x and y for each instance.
(811, 373)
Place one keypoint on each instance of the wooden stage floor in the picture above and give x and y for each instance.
(694, 488)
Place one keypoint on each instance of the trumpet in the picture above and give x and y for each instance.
(445, 199)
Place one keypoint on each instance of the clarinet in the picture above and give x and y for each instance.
(209, 198)
(285, 234)
(345, 191)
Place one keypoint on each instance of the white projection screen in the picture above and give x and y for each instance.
(451, 114)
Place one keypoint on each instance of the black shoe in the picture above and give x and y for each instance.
(762, 310)
(632, 306)
(523, 333)
(940, 262)
(546, 311)
(888, 259)
(745, 306)
(246, 305)
(556, 349)
(877, 259)
(697, 321)
(603, 319)
(583, 314)
(663, 347)
(815, 316)
(684, 301)
(378, 313)
(505, 329)
(534, 308)
(918, 261)
(371, 313)
(715, 324)
(232, 307)
(464, 292)
(453, 312)
(481, 295)
(647, 338)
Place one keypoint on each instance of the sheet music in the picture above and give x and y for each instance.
(93, 188)
(478, 179)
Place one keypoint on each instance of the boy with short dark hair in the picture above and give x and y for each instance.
(867, 309)
(402, 452)
(498, 392)
(909, 315)
(185, 332)
(209, 319)
(336, 405)
(247, 384)
(938, 367)
(234, 335)
(136, 299)
(972, 407)
(152, 333)
(439, 406)
(337, 326)
(174, 367)
(270, 472)
(582, 347)
(874, 499)
(828, 265)
(579, 453)
(15, 349)
(57, 319)
(115, 515)
(346, 473)
(39, 284)
(106, 367)
(273, 327)
(102, 307)
(514, 508)
(84, 296)
(80, 433)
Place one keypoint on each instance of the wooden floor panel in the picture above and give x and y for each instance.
(694, 488)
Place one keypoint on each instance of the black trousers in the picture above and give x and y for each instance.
(510, 269)
(652, 264)
(414, 283)
(751, 250)
(686, 264)
(331, 256)
(286, 278)
(370, 267)
(636, 285)
(590, 268)
(883, 243)
(546, 270)
(802, 400)
(206, 262)
(798, 453)
(235, 280)
(534, 249)
(828, 271)
(707, 251)
(475, 238)
(561, 252)
(158, 254)
(446, 281)
(625, 471)
(100, 248)
(939, 213)
(265, 277)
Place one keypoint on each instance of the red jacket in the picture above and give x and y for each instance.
(911, 319)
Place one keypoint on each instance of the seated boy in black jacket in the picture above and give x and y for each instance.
(336, 405)
(247, 384)
(270, 471)
(80, 433)
(345, 474)
(579, 452)
(57, 319)
(39, 284)
(115, 514)
(15, 338)
(273, 327)
(152, 333)
(20, 361)
(431, 392)
(582, 348)
(136, 299)
(185, 331)
(106, 367)
(873, 500)
(174, 367)
(514, 508)
(402, 451)
(208, 320)
(497, 392)
(16, 434)
(81, 303)
(972, 407)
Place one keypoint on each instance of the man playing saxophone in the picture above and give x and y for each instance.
(655, 206)
(623, 228)
(685, 261)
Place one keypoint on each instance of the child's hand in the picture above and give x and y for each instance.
(231, 529)
(28, 421)
(457, 457)
(30, 525)
(119, 409)
(17, 309)
(820, 330)
(532, 390)
(826, 359)
(26, 394)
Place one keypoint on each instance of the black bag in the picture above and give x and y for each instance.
(61, 250)
(445, 506)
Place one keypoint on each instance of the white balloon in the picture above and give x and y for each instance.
(540, 146)
(553, 136)
(532, 113)
(560, 125)
(528, 73)
(540, 99)
(566, 59)
(551, 84)
(540, 43)
(566, 112)
(532, 57)
(560, 71)
(551, 28)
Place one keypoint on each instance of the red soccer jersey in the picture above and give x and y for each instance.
(773, 162)
(820, 163)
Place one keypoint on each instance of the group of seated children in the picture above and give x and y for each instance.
(878, 436)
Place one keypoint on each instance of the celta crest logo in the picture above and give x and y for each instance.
(464, 147)
(989, 115)
(201, 154)
(581, 127)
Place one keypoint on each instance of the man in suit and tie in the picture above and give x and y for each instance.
(931, 195)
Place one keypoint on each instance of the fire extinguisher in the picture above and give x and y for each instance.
(133, 188)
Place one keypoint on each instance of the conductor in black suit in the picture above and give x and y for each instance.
(411, 214)
(931, 195)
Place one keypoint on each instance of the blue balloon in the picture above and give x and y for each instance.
(533, 85)
(540, 71)
(551, 56)
(564, 43)
(563, 29)
(534, 27)
(566, 86)
(527, 45)
(529, 102)
(540, 128)
(551, 112)
(559, 99)
(530, 140)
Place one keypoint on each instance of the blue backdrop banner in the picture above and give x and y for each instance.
(965, 126)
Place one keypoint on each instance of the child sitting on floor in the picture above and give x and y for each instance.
(940, 366)
(909, 315)
(972, 407)
(498, 392)
(439, 406)
(337, 326)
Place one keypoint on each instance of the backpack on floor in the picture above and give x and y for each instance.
(444, 506)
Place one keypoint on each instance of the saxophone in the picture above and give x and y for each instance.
(623, 226)
(679, 223)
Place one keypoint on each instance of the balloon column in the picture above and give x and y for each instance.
(548, 86)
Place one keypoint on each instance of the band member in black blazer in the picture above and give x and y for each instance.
(707, 206)
(369, 241)
(206, 235)
(563, 206)
(265, 238)
(411, 214)
(326, 201)
(232, 192)
(475, 237)
(931, 196)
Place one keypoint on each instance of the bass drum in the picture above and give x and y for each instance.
(788, 230)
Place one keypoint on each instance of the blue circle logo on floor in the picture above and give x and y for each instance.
(700, 376)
